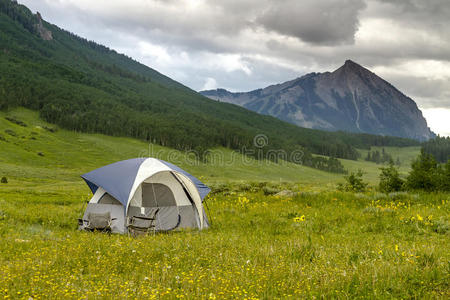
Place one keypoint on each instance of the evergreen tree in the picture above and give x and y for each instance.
(424, 173)
(445, 177)
(390, 180)
(439, 147)
(354, 182)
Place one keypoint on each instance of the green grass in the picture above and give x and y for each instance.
(367, 245)
(405, 154)
(68, 154)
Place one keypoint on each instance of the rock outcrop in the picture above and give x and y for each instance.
(43, 32)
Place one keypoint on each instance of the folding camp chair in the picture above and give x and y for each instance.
(97, 221)
(138, 225)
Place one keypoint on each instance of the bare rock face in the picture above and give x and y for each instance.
(351, 98)
(44, 33)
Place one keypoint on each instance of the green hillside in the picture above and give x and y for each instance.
(320, 243)
(80, 85)
(34, 150)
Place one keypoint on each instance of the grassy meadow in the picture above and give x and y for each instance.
(316, 243)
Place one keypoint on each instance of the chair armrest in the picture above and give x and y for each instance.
(143, 218)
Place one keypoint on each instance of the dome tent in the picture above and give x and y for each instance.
(143, 186)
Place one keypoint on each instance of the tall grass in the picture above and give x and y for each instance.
(323, 244)
(316, 242)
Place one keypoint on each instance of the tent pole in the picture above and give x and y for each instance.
(209, 213)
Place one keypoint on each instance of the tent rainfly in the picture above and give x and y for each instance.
(139, 188)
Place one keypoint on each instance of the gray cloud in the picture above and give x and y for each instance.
(433, 14)
(326, 22)
(432, 93)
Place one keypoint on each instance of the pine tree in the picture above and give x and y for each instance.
(390, 180)
(424, 173)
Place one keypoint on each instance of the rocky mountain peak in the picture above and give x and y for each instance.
(351, 64)
(352, 68)
(351, 98)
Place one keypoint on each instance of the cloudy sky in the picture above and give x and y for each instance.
(243, 45)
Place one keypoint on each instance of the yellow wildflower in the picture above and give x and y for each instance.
(299, 219)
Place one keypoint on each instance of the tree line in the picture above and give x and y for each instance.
(381, 157)
(426, 174)
(439, 147)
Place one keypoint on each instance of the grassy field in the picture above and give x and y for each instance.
(318, 243)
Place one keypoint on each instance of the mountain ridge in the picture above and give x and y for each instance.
(83, 86)
(351, 98)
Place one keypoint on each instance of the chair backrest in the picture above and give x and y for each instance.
(141, 222)
(144, 221)
(99, 220)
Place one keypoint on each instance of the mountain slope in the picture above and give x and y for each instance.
(351, 98)
(64, 155)
(83, 86)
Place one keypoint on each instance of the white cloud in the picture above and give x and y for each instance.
(210, 84)
(438, 120)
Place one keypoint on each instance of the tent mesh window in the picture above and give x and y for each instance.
(108, 199)
(157, 195)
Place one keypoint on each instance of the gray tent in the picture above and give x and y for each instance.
(144, 193)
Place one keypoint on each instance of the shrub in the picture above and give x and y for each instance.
(267, 190)
(424, 173)
(390, 180)
(16, 121)
(444, 183)
(50, 129)
(10, 132)
(353, 182)
(4, 180)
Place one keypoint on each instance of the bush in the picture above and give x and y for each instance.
(427, 174)
(50, 129)
(424, 173)
(445, 177)
(16, 121)
(354, 182)
(10, 132)
(390, 180)
(4, 180)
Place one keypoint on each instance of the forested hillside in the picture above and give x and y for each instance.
(83, 86)
(439, 147)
